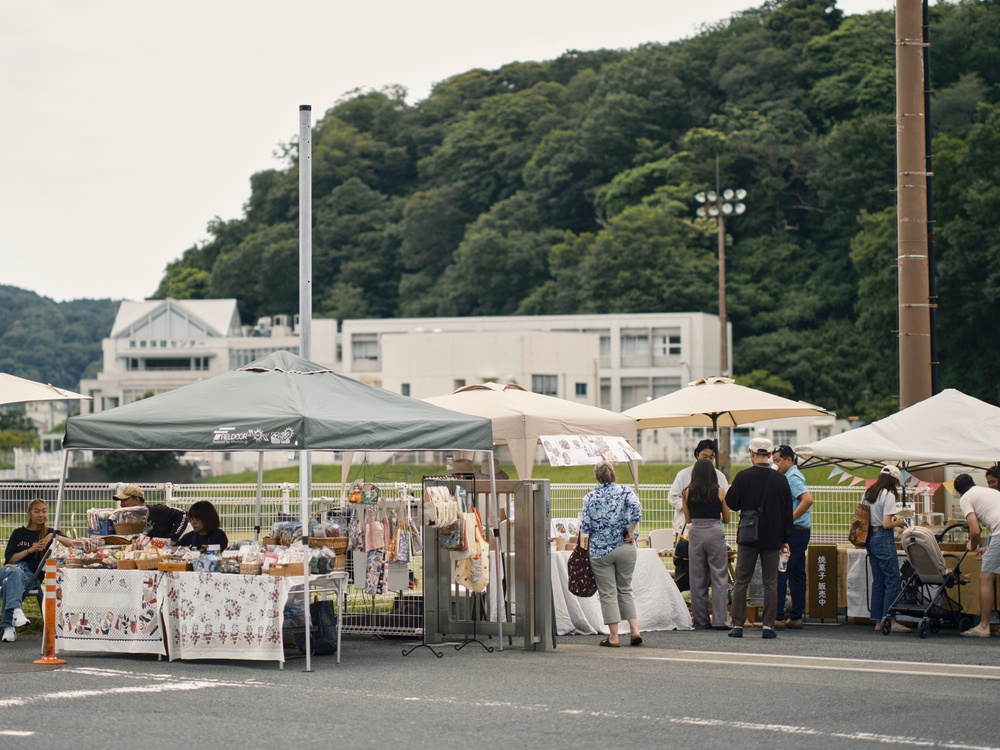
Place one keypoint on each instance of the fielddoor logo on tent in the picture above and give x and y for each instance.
(232, 436)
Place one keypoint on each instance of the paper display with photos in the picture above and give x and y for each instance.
(581, 450)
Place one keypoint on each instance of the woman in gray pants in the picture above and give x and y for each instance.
(611, 513)
(704, 505)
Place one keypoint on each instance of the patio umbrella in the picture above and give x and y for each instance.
(718, 402)
(15, 390)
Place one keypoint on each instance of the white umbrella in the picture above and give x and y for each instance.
(15, 390)
(718, 402)
(521, 417)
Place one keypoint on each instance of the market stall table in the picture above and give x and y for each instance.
(203, 615)
(658, 602)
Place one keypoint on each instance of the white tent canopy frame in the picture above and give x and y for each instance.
(947, 429)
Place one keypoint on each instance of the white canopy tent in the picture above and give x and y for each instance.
(948, 429)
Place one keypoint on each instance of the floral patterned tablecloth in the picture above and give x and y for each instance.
(108, 610)
(219, 616)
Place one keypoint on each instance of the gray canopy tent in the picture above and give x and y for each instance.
(278, 403)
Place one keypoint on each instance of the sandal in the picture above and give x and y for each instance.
(636, 640)
(607, 642)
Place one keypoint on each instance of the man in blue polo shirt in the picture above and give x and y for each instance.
(785, 460)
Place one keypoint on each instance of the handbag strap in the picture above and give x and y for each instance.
(763, 496)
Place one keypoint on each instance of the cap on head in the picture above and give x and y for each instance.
(761, 446)
(131, 490)
(892, 471)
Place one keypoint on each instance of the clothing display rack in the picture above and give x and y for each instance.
(475, 600)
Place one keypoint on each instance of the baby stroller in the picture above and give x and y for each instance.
(923, 596)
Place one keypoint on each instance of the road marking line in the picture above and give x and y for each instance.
(789, 662)
(15, 733)
(161, 687)
(841, 659)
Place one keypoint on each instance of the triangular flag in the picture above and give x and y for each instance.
(912, 481)
(950, 486)
(934, 486)
(906, 477)
(855, 481)
(922, 485)
(843, 477)
(869, 483)
(835, 471)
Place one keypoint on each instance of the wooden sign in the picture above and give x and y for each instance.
(821, 581)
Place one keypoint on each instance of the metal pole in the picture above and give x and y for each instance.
(911, 181)
(305, 342)
(723, 435)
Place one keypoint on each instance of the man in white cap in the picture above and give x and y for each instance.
(766, 493)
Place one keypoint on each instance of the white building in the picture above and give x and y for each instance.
(614, 361)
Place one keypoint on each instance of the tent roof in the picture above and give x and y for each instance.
(520, 417)
(279, 402)
(950, 428)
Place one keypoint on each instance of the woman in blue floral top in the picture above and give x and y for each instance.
(611, 513)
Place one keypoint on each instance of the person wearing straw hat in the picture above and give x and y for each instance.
(163, 521)
(883, 498)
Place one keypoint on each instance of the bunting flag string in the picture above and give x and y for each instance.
(950, 486)
(855, 480)
(843, 478)
(835, 471)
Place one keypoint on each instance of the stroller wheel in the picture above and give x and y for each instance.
(924, 628)
(886, 625)
(964, 623)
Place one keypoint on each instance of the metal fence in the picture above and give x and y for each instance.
(236, 503)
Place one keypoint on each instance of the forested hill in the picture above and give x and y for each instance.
(52, 342)
(568, 186)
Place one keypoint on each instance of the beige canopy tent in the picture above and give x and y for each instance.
(521, 417)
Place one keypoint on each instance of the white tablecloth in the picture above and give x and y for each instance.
(108, 610)
(658, 602)
(859, 577)
(219, 616)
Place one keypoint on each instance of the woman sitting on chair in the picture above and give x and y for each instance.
(204, 520)
(21, 559)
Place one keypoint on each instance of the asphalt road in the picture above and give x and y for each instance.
(840, 686)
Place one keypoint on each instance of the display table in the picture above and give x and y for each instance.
(108, 610)
(658, 602)
(204, 615)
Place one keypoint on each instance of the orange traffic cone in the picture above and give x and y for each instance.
(49, 633)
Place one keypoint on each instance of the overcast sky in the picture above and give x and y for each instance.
(126, 126)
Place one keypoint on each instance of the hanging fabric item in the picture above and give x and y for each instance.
(473, 572)
(376, 573)
(356, 530)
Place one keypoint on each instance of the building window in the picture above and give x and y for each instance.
(634, 392)
(364, 347)
(605, 346)
(405, 389)
(667, 345)
(663, 385)
(822, 433)
(547, 385)
(605, 401)
(581, 390)
(786, 437)
(635, 346)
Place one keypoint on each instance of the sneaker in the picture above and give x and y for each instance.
(19, 619)
(769, 633)
(736, 632)
(9, 635)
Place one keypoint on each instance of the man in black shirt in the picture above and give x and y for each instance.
(760, 487)
(163, 521)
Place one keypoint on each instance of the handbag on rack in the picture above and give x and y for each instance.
(581, 576)
(473, 572)
(470, 522)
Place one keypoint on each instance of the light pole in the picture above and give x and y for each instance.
(719, 205)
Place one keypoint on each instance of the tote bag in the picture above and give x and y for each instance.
(581, 577)
(473, 572)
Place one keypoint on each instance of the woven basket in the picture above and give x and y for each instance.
(269, 541)
(147, 563)
(127, 528)
(337, 543)
(115, 540)
(127, 565)
(173, 566)
(251, 569)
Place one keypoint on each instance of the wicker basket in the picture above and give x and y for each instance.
(128, 528)
(147, 563)
(269, 541)
(251, 569)
(125, 564)
(337, 543)
(115, 541)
